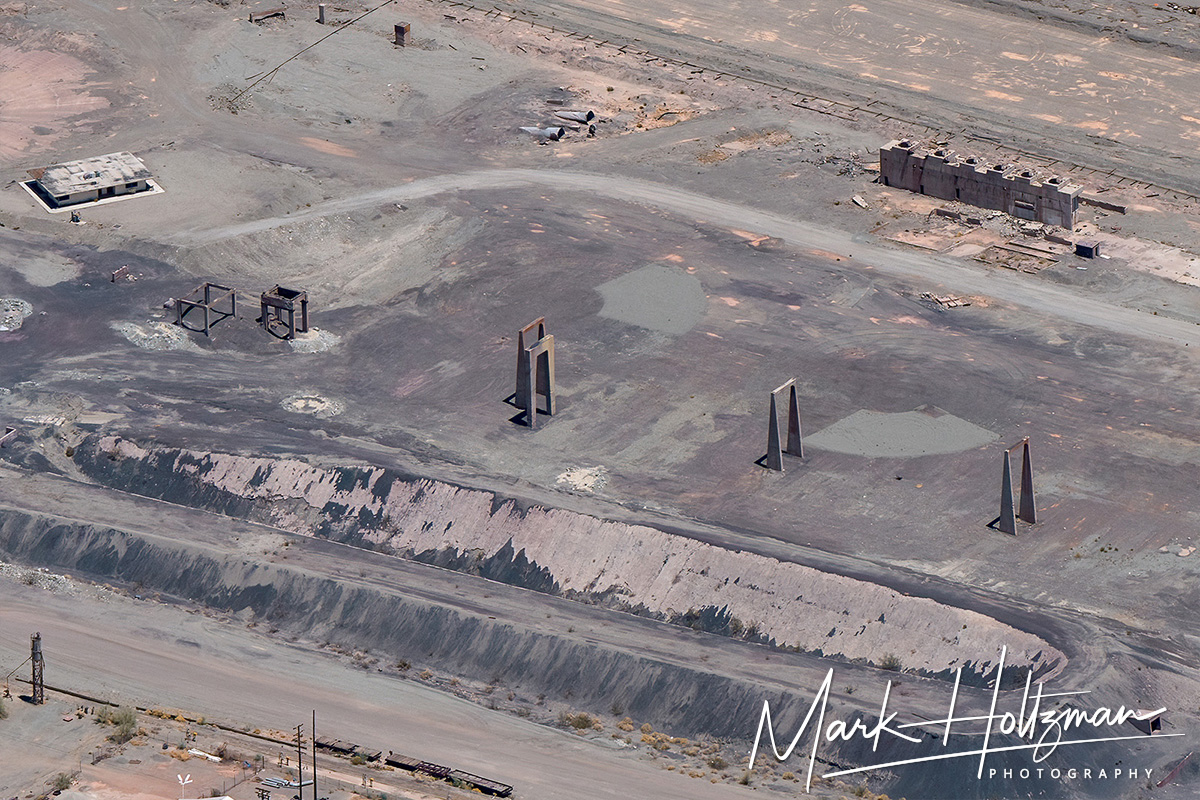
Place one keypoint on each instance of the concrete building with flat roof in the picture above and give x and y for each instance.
(90, 179)
(1003, 187)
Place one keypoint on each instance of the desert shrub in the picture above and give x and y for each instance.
(126, 721)
(890, 661)
(62, 782)
(579, 722)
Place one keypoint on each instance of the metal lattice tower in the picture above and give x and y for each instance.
(38, 683)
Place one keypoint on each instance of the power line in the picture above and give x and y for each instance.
(271, 73)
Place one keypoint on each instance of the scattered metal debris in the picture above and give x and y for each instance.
(945, 301)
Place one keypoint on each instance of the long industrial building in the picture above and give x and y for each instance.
(1002, 187)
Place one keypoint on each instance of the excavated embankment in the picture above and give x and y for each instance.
(295, 601)
(631, 567)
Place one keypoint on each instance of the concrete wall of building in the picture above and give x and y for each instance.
(91, 195)
(999, 186)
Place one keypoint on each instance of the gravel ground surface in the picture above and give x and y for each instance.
(697, 249)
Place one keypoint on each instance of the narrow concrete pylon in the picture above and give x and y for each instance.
(1027, 512)
(795, 443)
(774, 449)
(539, 381)
(1008, 519)
(522, 359)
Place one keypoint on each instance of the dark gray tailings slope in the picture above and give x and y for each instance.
(629, 567)
(399, 625)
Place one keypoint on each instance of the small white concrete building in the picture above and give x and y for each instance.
(91, 179)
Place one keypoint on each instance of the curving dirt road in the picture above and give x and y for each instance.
(922, 268)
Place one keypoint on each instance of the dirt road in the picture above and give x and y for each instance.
(919, 267)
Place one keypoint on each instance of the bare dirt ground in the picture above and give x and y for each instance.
(221, 671)
(701, 248)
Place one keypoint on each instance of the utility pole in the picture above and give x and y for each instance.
(316, 796)
(300, 761)
(38, 684)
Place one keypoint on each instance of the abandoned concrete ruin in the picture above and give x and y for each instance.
(214, 295)
(795, 444)
(1007, 521)
(1001, 187)
(274, 303)
(278, 301)
(535, 371)
(90, 179)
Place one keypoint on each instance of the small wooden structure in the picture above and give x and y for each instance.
(279, 300)
(210, 304)
(259, 16)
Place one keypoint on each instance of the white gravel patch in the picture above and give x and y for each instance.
(584, 479)
(314, 404)
(13, 312)
(314, 340)
(41, 578)
(156, 335)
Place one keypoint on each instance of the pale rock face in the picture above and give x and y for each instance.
(666, 573)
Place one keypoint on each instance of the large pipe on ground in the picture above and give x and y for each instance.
(576, 116)
(544, 134)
